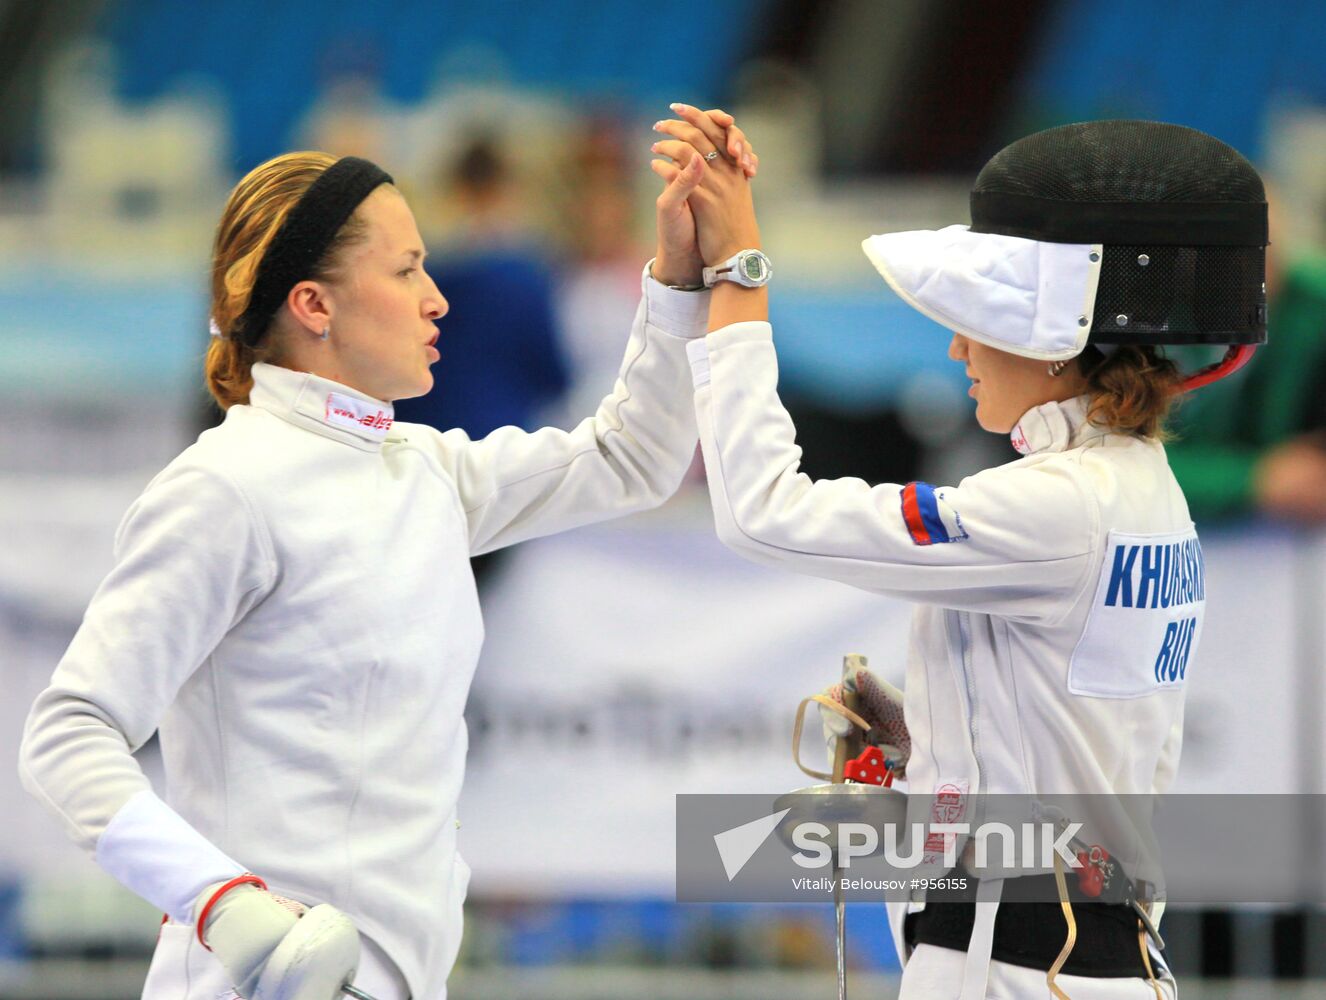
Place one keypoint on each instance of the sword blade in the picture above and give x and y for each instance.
(848, 746)
(357, 994)
(839, 912)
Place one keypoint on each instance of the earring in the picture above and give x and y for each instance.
(1057, 367)
(325, 330)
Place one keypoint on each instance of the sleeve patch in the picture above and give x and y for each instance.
(929, 518)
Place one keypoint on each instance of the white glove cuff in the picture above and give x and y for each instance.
(151, 850)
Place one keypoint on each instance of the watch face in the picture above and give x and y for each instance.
(753, 266)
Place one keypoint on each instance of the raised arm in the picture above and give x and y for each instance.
(1015, 540)
(1012, 540)
(630, 456)
(634, 451)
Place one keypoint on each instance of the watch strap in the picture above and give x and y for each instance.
(728, 270)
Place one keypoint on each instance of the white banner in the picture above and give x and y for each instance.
(634, 660)
(631, 661)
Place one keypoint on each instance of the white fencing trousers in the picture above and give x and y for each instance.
(182, 969)
(934, 973)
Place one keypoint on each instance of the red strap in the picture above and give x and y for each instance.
(248, 878)
(1235, 358)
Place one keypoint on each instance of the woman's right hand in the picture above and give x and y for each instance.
(880, 704)
(275, 947)
(720, 201)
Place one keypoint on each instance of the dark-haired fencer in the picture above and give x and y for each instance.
(1061, 596)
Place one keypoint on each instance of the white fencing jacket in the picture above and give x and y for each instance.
(1061, 595)
(292, 605)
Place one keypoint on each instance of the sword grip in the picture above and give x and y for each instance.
(851, 746)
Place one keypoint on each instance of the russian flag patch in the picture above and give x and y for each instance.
(930, 520)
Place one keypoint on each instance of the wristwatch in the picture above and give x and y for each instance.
(750, 268)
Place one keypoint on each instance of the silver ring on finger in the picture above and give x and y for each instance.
(711, 156)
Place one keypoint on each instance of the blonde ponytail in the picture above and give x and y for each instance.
(253, 216)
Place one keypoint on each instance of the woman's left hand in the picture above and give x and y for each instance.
(679, 260)
(716, 130)
(721, 199)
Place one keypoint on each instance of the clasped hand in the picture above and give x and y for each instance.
(705, 213)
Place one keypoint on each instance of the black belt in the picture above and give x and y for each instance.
(1031, 934)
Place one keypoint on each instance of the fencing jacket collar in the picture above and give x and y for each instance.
(322, 406)
(1055, 426)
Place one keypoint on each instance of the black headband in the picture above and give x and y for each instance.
(304, 237)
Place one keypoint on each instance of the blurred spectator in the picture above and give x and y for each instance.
(1256, 442)
(501, 363)
(600, 290)
(873, 444)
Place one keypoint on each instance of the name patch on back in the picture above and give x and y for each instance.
(1146, 617)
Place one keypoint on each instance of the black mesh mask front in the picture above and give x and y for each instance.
(1181, 216)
